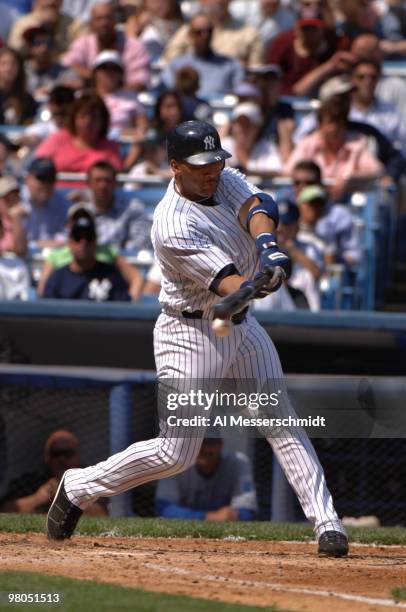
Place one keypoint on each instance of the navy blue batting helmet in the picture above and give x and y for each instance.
(196, 142)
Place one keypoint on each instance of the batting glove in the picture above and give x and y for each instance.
(270, 255)
(265, 290)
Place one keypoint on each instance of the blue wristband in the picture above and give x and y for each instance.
(267, 240)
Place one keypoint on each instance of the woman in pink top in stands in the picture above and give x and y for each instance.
(83, 142)
(341, 154)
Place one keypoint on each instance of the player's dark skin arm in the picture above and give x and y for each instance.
(260, 223)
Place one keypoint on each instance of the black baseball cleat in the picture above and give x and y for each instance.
(62, 516)
(333, 544)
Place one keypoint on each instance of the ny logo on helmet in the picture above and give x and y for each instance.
(209, 143)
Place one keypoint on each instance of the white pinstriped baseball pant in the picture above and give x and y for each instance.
(188, 348)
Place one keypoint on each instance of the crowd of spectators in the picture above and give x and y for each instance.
(92, 87)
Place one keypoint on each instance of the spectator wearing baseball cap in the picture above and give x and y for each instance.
(85, 278)
(279, 117)
(332, 223)
(12, 213)
(46, 208)
(44, 12)
(43, 71)
(305, 267)
(306, 255)
(127, 115)
(249, 150)
(105, 253)
(308, 54)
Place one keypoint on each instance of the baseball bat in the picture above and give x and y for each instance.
(237, 301)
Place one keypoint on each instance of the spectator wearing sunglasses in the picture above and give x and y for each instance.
(49, 12)
(86, 278)
(366, 106)
(41, 68)
(105, 253)
(390, 88)
(32, 492)
(218, 74)
(305, 172)
(325, 227)
(231, 37)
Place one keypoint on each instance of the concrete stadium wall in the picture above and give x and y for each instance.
(120, 336)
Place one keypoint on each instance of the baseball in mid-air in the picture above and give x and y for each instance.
(221, 327)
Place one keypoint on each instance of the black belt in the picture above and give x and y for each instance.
(198, 314)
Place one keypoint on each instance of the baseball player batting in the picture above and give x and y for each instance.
(213, 233)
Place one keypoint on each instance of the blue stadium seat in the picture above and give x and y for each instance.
(149, 195)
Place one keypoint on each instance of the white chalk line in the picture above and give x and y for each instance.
(278, 587)
(388, 603)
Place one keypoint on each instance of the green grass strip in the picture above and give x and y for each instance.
(399, 593)
(155, 528)
(86, 595)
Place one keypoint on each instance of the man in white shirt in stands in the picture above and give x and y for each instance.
(367, 107)
(14, 275)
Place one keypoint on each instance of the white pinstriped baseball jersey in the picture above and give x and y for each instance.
(193, 242)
